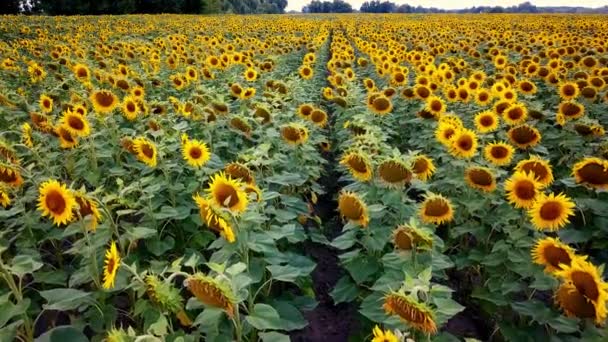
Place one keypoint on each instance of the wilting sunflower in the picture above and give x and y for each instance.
(87, 208)
(524, 136)
(305, 109)
(56, 202)
(436, 209)
(213, 218)
(111, 265)
(10, 175)
(394, 173)
(145, 151)
(423, 167)
(76, 124)
(5, 199)
(522, 189)
(195, 152)
(358, 164)
(319, 117)
(306, 72)
(352, 207)
(294, 133)
(539, 167)
(464, 144)
(499, 153)
(163, 295)
(551, 253)
(571, 110)
(486, 122)
(212, 292)
(515, 114)
(381, 105)
(228, 193)
(46, 103)
(383, 336)
(592, 172)
(104, 101)
(551, 212)
(568, 91)
(408, 236)
(418, 315)
(583, 293)
(129, 107)
(480, 178)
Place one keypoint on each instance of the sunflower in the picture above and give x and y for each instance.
(228, 193)
(236, 90)
(435, 106)
(145, 151)
(212, 292)
(464, 144)
(394, 173)
(568, 91)
(515, 114)
(358, 164)
(522, 189)
(5, 200)
(138, 92)
(213, 218)
(195, 153)
(444, 133)
(163, 295)
(383, 336)
(248, 93)
(76, 124)
(436, 209)
(87, 207)
(104, 101)
(111, 265)
(524, 136)
(26, 135)
(418, 315)
(381, 105)
(423, 167)
(499, 153)
(129, 107)
(483, 97)
(240, 172)
(46, 103)
(305, 110)
(262, 114)
(422, 92)
(408, 236)
(583, 293)
(551, 212)
(539, 167)
(306, 72)
(592, 172)
(10, 175)
(319, 117)
(81, 72)
(294, 133)
(552, 253)
(571, 110)
(480, 178)
(352, 207)
(486, 122)
(56, 202)
(526, 87)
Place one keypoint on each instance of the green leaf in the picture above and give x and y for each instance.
(209, 320)
(24, 264)
(264, 317)
(274, 337)
(447, 307)
(362, 267)
(66, 333)
(291, 317)
(236, 268)
(346, 240)
(564, 324)
(285, 273)
(65, 299)
(344, 291)
(9, 332)
(159, 328)
(137, 233)
(535, 309)
(9, 310)
(158, 246)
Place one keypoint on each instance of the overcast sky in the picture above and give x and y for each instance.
(451, 4)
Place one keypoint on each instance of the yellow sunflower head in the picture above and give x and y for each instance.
(103, 101)
(383, 336)
(212, 292)
(568, 91)
(56, 201)
(46, 103)
(380, 104)
(480, 178)
(294, 134)
(445, 132)
(423, 167)
(436, 209)
(5, 199)
(195, 153)
(552, 253)
(10, 175)
(213, 218)
(417, 315)
(88, 209)
(524, 136)
(240, 172)
(551, 212)
(522, 189)
(358, 165)
(486, 122)
(515, 114)
(464, 144)
(228, 193)
(305, 110)
(409, 236)
(145, 151)
(571, 110)
(394, 173)
(352, 208)
(499, 153)
(539, 167)
(111, 265)
(130, 108)
(592, 172)
(76, 124)
(319, 117)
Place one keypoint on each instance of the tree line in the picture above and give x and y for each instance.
(99, 7)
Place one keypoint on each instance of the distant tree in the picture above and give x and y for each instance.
(378, 7)
(10, 7)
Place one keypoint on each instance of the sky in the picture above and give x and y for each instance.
(297, 5)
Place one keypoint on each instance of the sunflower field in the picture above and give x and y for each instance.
(308, 178)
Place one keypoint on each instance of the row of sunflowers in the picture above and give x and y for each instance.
(160, 176)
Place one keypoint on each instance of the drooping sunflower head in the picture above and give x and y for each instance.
(319, 117)
(551, 212)
(380, 104)
(163, 295)
(524, 136)
(394, 173)
(228, 193)
(111, 265)
(103, 101)
(499, 153)
(212, 292)
(213, 218)
(552, 253)
(409, 236)
(195, 152)
(539, 167)
(10, 175)
(76, 124)
(56, 201)
(145, 151)
(358, 165)
(240, 172)
(436, 209)
(464, 144)
(480, 178)
(592, 172)
(294, 133)
(423, 167)
(515, 114)
(263, 114)
(352, 208)
(486, 121)
(88, 209)
(418, 315)
(522, 189)
(5, 199)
